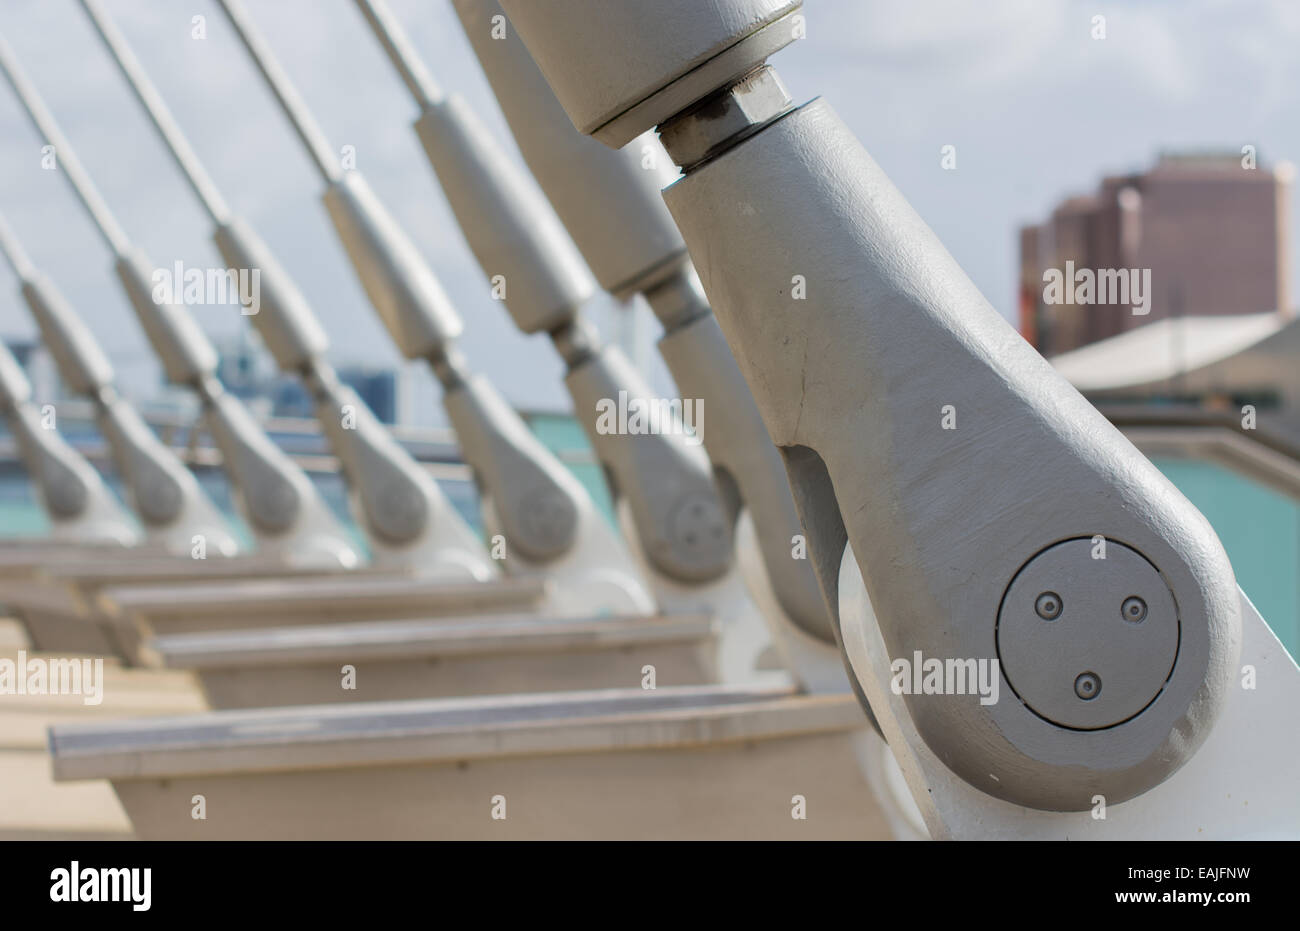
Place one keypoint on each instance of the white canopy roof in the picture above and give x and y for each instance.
(1165, 349)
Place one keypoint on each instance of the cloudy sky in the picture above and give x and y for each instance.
(1035, 106)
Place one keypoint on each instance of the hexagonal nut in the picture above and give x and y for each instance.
(725, 118)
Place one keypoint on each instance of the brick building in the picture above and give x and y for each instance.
(1213, 233)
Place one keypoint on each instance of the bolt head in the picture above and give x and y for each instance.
(1048, 605)
(1133, 609)
(1087, 686)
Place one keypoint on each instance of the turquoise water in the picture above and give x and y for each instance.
(1259, 527)
(20, 515)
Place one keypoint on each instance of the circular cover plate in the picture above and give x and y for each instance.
(699, 527)
(274, 503)
(1053, 665)
(398, 512)
(547, 520)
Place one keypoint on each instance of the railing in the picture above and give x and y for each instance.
(1266, 458)
(300, 437)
